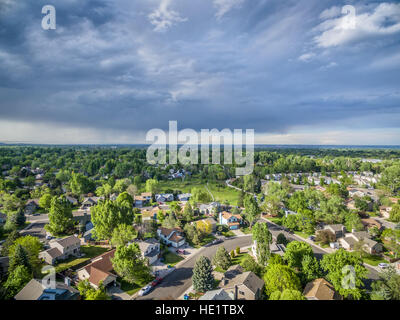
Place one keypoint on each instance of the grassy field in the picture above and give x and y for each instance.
(130, 288)
(89, 251)
(373, 260)
(171, 258)
(220, 193)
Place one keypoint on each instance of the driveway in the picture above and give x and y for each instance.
(35, 229)
(180, 280)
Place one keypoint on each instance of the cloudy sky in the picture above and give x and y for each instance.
(296, 71)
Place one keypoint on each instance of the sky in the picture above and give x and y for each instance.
(295, 71)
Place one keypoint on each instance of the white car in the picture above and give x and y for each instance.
(144, 290)
(383, 265)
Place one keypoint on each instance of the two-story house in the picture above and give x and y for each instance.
(165, 197)
(150, 249)
(61, 250)
(143, 199)
(184, 196)
(233, 221)
(173, 237)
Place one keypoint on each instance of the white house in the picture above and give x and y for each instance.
(150, 249)
(173, 237)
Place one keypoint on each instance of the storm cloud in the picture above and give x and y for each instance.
(114, 69)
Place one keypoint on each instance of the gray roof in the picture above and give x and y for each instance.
(69, 241)
(219, 294)
(335, 227)
(53, 252)
(248, 279)
(34, 290)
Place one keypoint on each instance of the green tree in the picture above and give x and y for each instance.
(152, 185)
(188, 213)
(202, 279)
(310, 268)
(280, 277)
(60, 216)
(338, 265)
(391, 178)
(12, 236)
(222, 259)
(395, 213)
(45, 201)
(388, 286)
(89, 293)
(295, 252)
(16, 280)
(19, 258)
(130, 265)
(287, 294)
(263, 238)
(252, 209)
(107, 215)
(123, 234)
(249, 264)
(31, 245)
(200, 195)
(80, 184)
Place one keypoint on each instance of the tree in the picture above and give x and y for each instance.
(252, 209)
(339, 266)
(388, 286)
(152, 185)
(249, 264)
(202, 279)
(31, 245)
(310, 268)
(60, 216)
(222, 259)
(188, 213)
(12, 236)
(160, 216)
(130, 265)
(325, 237)
(281, 239)
(291, 222)
(45, 201)
(104, 191)
(132, 190)
(295, 251)
(89, 293)
(287, 294)
(200, 195)
(107, 215)
(391, 178)
(395, 213)
(19, 258)
(79, 184)
(16, 280)
(280, 277)
(170, 222)
(123, 234)
(263, 238)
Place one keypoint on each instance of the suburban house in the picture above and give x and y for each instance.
(89, 202)
(371, 223)
(173, 237)
(34, 290)
(242, 285)
(233, 221)
(219, 294)
(143, 199)
(370, 246)
(99, 270)
(337, 229)
(385, 211)
(320, 289)
(208, 225)
(209, 209)
(165, 197)
(61, 250)
(184, 196)
(31, 206)
(150, 249)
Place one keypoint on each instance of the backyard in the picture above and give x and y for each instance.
(171, 258)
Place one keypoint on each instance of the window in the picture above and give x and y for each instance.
(241, 292)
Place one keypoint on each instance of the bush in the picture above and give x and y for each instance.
(237, 250)
(325, 237)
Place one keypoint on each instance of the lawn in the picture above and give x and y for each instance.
(89, 251)
(276, 220)
(228, 234)
(130, 288)
(302, 234)
(171, 258)
(238, 258)
(373, 260)
(246, 230)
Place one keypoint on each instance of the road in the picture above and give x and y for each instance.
(35, 229)
(385, 223)
(178, 281)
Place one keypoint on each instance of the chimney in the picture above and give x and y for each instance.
(67, 281)
(236, 291)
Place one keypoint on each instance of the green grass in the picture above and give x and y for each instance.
(373, 260)
(276, 220)
(238, 258)
(130, 288)
(89, 251)
(171, 258)
(302, 234)
(246, 230)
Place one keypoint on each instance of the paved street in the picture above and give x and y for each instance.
(35, 229)
(177, 282)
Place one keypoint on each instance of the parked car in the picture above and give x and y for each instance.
(181, 251)
(312, 238)
(156, 281)
(216, 241)
(145, 290)
(383, 265)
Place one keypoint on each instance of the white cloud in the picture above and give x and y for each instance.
(163, 17)
(383, 21)
(224, 6)
(307, 57)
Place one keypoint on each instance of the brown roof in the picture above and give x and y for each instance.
(320, 289)
(146, 194)
(175, 238)
(53, 252)
(369, 223)
(167, 231)
(100, 267)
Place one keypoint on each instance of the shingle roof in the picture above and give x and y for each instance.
(53, 252)
(320, 289)
(248, 279)
(100, 267)
(69, 241)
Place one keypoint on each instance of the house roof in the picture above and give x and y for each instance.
(53, 252)
(34, 290)
(228, 215)
(335, 227)
(69, 241)
(146, 194)
(167, 231)
(100, 267)
(176, 238)
(144, 245)
(248, 279)
(371, 223)
(33, 201)
(320, 289)
(219, 294)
